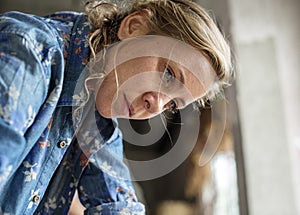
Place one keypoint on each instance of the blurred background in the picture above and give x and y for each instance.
(255, 169)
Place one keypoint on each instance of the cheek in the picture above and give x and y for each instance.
(108, 87)
(105, 95)
(196, 87)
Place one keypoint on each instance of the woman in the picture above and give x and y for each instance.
(58, 130)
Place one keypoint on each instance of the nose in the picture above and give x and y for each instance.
(155, 102)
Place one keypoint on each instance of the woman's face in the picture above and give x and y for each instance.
(151, 74)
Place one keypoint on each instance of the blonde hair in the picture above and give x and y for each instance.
(180, 19)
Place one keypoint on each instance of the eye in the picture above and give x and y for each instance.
(168, 75)
(172, 107)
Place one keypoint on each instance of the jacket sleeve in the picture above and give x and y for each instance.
(105, 186)
(23, 88)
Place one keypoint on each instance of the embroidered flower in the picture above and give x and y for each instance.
(14, 94)
(44, 144)
(30, 174)
(105, 167)
(79, 98)
(30, 116)
(84, 61)
(78, 50)
(51, 204)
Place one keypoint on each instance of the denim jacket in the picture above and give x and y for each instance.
(41, 163)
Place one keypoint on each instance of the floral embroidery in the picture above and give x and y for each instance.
(83, 160)
(51, 204)
(80, 98)
(13, 93)
(44, 144)
(78, 50)
(30, 174)
(107, 169)
(31, 114)
(5, 113)
(84, 61)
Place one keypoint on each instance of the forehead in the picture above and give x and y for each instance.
(163, 47)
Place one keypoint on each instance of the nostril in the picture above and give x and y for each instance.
(147, 104)
(152, 102)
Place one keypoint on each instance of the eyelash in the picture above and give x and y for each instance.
(173, 107)
(169, 76)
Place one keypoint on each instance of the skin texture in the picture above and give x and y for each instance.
(144, 86)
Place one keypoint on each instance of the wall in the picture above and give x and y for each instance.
(266, 42)
(266, 39)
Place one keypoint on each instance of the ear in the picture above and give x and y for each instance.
(134, 24)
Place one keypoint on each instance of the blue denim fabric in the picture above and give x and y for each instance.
(41, 163)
